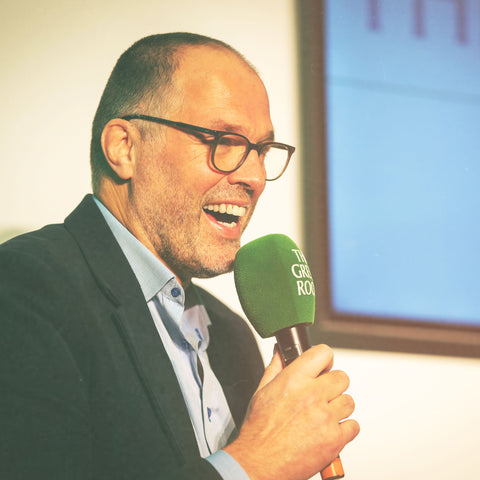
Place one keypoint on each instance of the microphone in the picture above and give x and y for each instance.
(277, 294)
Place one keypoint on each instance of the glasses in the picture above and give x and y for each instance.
(230, 150)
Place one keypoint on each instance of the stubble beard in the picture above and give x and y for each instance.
(175, 227)
(172, 217)
(195, 259)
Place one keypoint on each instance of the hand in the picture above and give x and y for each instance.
(293, 426)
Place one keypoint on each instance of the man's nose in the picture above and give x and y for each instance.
(251, 173)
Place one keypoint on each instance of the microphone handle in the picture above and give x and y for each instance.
(292, 342)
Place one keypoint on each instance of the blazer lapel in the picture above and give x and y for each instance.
(116, 279)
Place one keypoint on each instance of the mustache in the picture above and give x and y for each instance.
(225, 193)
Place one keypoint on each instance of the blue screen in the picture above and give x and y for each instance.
(403, 158)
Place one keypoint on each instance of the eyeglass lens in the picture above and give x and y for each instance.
(231, 150)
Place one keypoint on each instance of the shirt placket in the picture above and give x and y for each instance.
(218, 424)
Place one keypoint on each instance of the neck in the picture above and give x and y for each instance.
(116, 200)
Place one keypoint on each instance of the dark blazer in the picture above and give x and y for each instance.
(86, 388)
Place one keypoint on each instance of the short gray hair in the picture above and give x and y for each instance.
(142, 75)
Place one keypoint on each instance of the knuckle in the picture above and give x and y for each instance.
(341, 378)
(348, 402)
(260, 398)
(351, 430)
(323, 352)
(355, 428)
(324, 349)
(290, 383)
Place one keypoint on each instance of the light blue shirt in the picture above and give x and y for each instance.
(184, 333)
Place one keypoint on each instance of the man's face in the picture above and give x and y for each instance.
(175, 192)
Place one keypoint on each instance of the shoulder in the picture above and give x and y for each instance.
(38, 289)
(45, 282)
(29, 259)
(36, 299)
(52, 262)
(40, 244)
(32, 258)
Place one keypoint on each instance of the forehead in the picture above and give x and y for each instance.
(216, 85)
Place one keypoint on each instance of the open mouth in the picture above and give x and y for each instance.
(225, 213)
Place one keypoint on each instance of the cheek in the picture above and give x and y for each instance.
(183, 171)
(198, 169)
(198, 178)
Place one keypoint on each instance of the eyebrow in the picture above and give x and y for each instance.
(235, 128)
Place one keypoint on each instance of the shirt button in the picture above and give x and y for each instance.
(175, 292)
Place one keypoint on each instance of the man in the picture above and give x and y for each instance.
(105, 371)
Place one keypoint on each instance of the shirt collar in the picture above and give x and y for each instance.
(151, 273)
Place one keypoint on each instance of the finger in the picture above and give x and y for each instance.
(349, 429)
(273, 369)
(332, 384)
(342, 406)
(314, 361)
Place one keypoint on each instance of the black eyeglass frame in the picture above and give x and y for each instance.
(217, 134)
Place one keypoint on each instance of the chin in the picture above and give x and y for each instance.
(215, 266)
(214, 270)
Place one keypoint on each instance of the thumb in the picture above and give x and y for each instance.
(273, 369)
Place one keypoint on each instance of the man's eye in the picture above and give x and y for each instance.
(208, 139)
(231, 141)
(204, 137)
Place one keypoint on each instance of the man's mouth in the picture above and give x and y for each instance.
(226, 214)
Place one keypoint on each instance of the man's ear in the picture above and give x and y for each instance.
(118, 140)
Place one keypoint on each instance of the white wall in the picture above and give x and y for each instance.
(418, 414)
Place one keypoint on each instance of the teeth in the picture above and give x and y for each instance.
(227, 208)
(229, 225)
